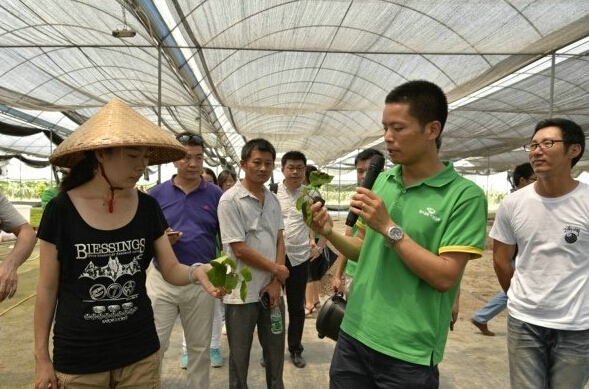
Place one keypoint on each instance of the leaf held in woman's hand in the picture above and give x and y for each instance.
(243, 291)
(231, 281)
(246, 273)
(224, 275)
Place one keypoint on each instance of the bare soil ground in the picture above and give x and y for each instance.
(16, 322)
(472, 361)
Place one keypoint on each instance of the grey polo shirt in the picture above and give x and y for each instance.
(243, 218)
(10, 218)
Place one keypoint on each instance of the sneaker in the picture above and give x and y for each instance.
(298, 360)
(216, 358)
(224, 330)
(184, 361)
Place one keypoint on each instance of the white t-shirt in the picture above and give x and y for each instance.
(550, 285)
(242, 218)
(296, 232)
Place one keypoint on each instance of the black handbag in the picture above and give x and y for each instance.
(330, 317)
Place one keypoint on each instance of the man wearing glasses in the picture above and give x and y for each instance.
(298, 250)
(548, 291)
(190, 205)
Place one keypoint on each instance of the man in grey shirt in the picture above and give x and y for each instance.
(252, 233)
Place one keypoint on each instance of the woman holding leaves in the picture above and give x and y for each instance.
(97, 238)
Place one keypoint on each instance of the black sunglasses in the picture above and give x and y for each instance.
(192, 139)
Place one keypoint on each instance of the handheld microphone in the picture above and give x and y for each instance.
(376, 166)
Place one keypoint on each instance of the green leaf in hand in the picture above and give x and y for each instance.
(310, 194)
(218, 273)
(302, 199)
(231, 281)
(224, 275)
(230, 262)
(246, 274)
(307, 214)
(317, 178)
(243, 291)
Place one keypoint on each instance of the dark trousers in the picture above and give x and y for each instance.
(241, 320)
(295, 299)
(355, 365)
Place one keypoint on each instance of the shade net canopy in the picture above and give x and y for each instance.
(306, 75)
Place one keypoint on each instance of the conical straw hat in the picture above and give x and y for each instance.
(115, 125)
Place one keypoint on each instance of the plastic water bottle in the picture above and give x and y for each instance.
(275, 320)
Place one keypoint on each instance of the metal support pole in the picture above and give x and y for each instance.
(339, 191)
(159, 100)
(552, 73)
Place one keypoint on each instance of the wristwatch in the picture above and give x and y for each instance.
(394, 234)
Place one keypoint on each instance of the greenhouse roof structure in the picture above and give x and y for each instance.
(308, 75)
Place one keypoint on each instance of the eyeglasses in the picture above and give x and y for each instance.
(295, 168)
(192, 139)
(545, 144)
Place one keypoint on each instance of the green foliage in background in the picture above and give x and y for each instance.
(23, 190)
(334, 195)
(494, 198)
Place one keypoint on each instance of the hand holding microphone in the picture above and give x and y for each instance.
(376, 165)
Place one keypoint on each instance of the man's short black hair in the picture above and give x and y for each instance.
(524, 171)
(293, 156)
(366, 154)
(259, 144)
(427, 102)
(571, 133)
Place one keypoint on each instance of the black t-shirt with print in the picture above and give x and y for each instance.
(104, 318)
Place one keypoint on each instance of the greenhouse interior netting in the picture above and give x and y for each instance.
(308, 75)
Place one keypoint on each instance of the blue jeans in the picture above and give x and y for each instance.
(241, 320)
(545, 358)
(491, 309)
(355, 365)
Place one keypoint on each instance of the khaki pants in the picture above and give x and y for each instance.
(144, 374)
(195, 307)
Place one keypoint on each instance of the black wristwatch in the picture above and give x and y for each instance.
(394, 234)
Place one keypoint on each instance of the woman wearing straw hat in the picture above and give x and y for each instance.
(97, 238)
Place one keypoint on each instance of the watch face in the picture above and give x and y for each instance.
(395, 233)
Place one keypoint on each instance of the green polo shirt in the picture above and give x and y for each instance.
(390, 309)
(350, 269)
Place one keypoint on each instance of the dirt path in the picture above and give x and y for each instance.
(16, 327)
(472, 361)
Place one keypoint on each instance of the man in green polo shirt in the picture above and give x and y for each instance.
(424, 223)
